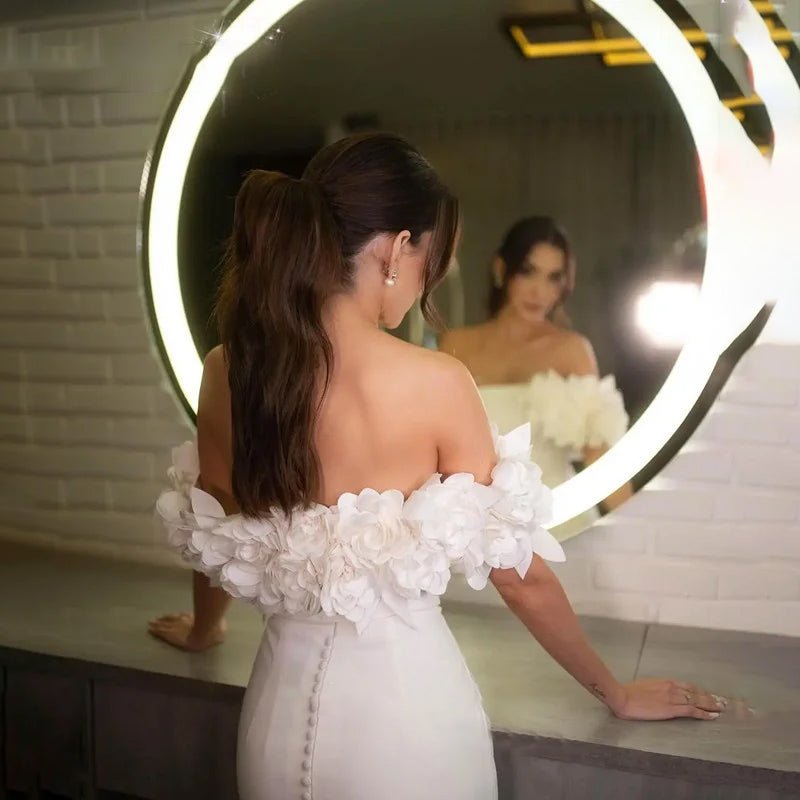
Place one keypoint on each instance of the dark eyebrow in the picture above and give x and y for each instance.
(531, 265)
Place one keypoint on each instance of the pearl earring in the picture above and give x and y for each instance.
(391, 278)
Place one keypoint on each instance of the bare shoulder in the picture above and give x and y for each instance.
(423, 367)
(215, 397)
(573, 354)
(441, 398)
(431, 381)
(215, 363)
(214, 430)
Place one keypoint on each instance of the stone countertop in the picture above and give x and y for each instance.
(93, 613)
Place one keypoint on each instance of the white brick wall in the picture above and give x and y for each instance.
(718, 533)
(86, 418)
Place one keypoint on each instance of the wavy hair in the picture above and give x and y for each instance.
(292, 247)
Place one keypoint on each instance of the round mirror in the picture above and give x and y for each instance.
(583, 243)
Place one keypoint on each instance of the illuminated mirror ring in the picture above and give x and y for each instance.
(163, 184)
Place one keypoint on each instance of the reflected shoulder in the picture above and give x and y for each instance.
(575, 354)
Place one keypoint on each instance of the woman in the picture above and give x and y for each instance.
(530, 366)
(307, 402)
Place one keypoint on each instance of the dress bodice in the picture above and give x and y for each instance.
(368, 551)
(566, 414)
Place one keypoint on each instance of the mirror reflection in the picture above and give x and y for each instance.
(577, 179)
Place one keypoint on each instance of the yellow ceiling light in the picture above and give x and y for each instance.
(605, 46)
(636, 57)
(741, 102)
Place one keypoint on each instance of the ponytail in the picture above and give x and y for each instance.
(283, 261)
(293, 246)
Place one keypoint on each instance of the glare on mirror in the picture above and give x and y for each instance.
(582, 247)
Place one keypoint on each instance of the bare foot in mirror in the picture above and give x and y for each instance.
(179, 631)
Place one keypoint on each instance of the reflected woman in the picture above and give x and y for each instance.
(531, 366)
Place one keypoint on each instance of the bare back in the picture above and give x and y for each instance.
(378, 423)
(393, 415)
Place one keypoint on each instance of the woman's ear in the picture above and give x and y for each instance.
(398, 243)
(498, 272)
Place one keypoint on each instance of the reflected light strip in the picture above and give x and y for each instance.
(200, 94)
(741, 102)
(639, 57)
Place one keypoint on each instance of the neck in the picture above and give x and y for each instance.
(515, 328)
(347, 317)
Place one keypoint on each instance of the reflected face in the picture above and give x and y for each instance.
(410, 267)
(535, 291)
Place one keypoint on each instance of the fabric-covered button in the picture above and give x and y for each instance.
(306, 795)
(313, 704)
(305, 780)
(307, 764)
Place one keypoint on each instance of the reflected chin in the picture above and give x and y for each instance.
(531, 317)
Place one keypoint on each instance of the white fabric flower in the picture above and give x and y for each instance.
(348, 589)
(299, 565)
(370, 526)
(370, 549)
(185, 467)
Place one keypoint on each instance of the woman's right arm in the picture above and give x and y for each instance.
(206, 626)
(538, 599)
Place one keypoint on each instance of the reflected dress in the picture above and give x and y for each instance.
(567, 414)
(359, 690)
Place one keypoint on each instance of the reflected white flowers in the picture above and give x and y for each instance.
(370, 549)
(577, 410)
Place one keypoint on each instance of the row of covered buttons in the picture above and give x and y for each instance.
(313, 707)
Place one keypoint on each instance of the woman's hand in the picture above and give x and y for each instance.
(656, 699)
(179, 631)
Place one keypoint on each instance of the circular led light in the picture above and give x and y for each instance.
(727, 158)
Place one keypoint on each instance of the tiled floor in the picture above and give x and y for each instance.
(96, 611)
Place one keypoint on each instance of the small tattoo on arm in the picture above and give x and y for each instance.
(595, 689)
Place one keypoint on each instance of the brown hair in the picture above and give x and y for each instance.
(291, 249)
(519, 240)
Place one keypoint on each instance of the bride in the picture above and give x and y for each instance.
(531, 367)
(340, 476)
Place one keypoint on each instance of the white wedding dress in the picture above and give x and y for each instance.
(359, 691)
